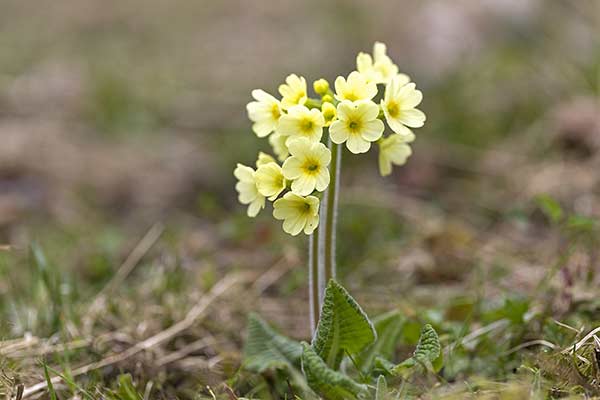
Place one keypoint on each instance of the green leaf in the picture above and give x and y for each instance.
(515, 310)
(580, 223)
(127, 389)
(550, 207)
(49, 384)
(330, 384)
(268, 350)
(343, 326)
(381, 393)
(382, 365)
(389, 329)
(428, 353)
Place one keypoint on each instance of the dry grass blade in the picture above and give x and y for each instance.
(191, 317)
(186, 350)
(44, 348)
(273, 274)
(502, 323)
(583, 341)
(537, 342)
(128, 265)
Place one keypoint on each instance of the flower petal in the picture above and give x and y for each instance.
(323, 180)
(397, 126)
(411, 99)
(385, 165)
(294, 225)
(414, 118)
(255, 207)
(291, 168)
(311, 224)
(356, 144)
(367, 110)
(244, 173)
(263, 128)
(372, 130)
(338, 132)
(304, 185)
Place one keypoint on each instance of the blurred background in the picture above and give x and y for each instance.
(119, 118)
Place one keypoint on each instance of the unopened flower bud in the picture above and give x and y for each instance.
(321, 86)
(327, 99)
(329, 113)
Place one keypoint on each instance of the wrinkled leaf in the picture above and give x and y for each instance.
(267, 350)
(428, 353)
(329, 384)
(343, 326)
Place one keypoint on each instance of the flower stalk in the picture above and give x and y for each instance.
(314, 291)
(331, 203)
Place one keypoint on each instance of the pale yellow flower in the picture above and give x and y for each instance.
(307, 166)
(293, 91)
(264, 112)
(302, 122)
(394, 150)
(277, 142)
(269, 180)
(247, 190)
(399, 105)
(298, 213)
(356, 87)
(380, 68)
(329, 113)
(357, 125)
(263, 158)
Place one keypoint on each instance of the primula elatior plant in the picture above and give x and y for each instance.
(307, 136)
(304, 187)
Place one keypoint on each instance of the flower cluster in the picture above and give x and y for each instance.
(353, 116)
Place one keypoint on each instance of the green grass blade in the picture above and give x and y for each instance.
(389, 328)
(127, 389)
(381, 392)
(49, 384)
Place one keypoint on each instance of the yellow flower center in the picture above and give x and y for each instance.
(307, 125)
(311, 167)
(303, 208)
(275, 111)
(280, 181)
(354, 125)
(393, 109)
(352, 96)
(384, 69)
(296, 99)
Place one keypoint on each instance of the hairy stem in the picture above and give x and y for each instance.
(313, 279)
(331, 213)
